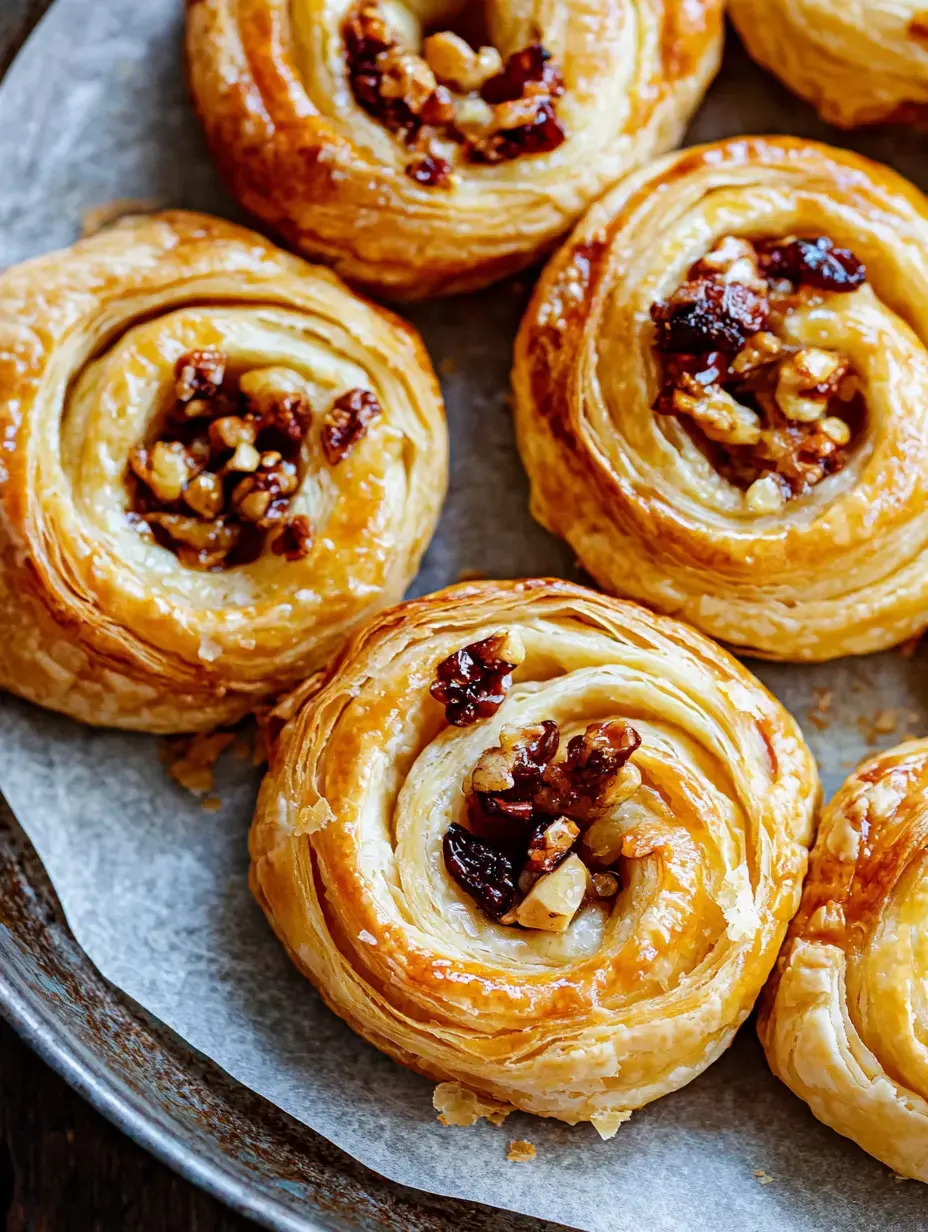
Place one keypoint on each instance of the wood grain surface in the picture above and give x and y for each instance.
(63, 1168)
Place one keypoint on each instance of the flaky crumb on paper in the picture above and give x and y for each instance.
(211, 804)
(448, 366)
(819, 713)
(607, 1124)
(520, 1151)
(458, 1105)
(190, 760)
(762, 1177)
(880, 723)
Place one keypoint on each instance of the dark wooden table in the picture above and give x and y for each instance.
(63, 1168)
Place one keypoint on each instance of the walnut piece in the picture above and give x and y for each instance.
(223, 471)
(347, 423)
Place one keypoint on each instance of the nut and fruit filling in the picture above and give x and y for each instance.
(449, 102)
(774, 419)
(544, 827)
(217, 483)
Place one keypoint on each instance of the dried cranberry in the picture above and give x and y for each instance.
(483, 871)
(815, 263)
(430, 171)
(473, 682)
(543, 135)
(347, 422)
(531, 65)
(707, 315)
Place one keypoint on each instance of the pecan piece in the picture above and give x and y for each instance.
(473, 682)
(295, 539)
(347, 423)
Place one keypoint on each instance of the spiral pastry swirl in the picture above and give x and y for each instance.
(841, 1019)
(669, 816)
(217, 460)
(721, 391)
(863, 62)
(432, 146)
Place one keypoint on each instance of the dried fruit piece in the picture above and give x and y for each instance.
(430, 171)
(484, 872)
(814, 263)
(551, 842)
(707, 314)
(473, 682)
(347, 423)
(529, 70)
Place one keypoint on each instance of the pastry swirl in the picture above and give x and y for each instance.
(430, 165)
(841, 1017)
(574, 930)
(721, 389)
(217, 461)
(863, 62)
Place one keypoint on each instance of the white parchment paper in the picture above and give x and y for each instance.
(155, 888)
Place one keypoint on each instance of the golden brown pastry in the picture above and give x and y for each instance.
(842, 1019)
(857, 61)
(433, 146)
(722, 396)
(216, 460)
(537, 844)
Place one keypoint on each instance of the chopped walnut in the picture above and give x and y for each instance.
(455, 63)
(473, 682)
(530, 814)
(295, 539)
(485, 110)
(199, 374)
(226, 465)
(596, 776)
(347, 423)
(774, 418)
(715, 411)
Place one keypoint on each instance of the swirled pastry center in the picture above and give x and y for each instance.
(774, 418)
(544, 832)
(447, 101)
(216, 482)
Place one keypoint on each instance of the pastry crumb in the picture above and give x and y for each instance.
(448, 366)
(520, 1151)
(897, 1178)
(190, 760)
(762, 1177)
(819, 713)
(880, 723)
(607, 1124)
(458, 1105)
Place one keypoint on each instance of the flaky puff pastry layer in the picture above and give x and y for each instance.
(107, 626)
(843, 1018)
(840, 570)
(857, 61)
(270, 83)
(638, 996)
